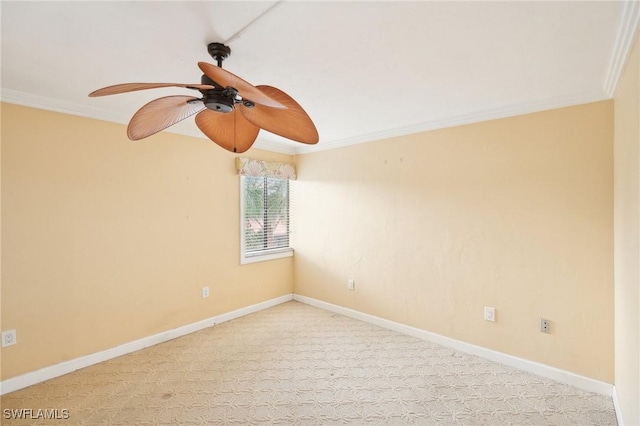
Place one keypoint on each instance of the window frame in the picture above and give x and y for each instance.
(268, 254)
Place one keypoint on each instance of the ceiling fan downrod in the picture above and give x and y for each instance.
(219, 99)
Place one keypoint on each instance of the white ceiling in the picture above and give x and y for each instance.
(362, 70)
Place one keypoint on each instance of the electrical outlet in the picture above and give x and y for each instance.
(205, 292)
(9, 338)
(545, 325)
(351, 284)
(489, 314)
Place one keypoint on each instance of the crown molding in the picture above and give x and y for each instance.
(509, 111)
(624, 41)
(56, 105)
(50, 104)
(274, 147)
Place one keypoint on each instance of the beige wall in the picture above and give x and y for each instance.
(627, 238)
(513, 213)
(105, 240)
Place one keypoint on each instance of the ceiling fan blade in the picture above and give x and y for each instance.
(229, 130)
(291, 123)
(245, 89)
(161, 113)
(132, 87)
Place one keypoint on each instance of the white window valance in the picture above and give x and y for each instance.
(272, 169)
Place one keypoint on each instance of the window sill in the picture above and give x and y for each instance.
(263, 256)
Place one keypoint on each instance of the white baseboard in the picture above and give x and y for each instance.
(617, 408)
(543, 370)
(38, 376)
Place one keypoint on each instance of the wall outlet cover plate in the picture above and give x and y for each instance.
(8, 338)
(489, 314)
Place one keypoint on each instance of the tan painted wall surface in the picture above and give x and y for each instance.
(105, 240)
(627, 238)
(513, 213)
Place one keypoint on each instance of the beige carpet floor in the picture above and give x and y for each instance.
(294, 364)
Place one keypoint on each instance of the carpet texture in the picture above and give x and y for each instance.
(296, 364)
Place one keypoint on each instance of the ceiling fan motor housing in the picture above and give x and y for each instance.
(218, 101)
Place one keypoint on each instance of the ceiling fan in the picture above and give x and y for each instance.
(230, 111)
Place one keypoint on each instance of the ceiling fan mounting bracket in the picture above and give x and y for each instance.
(219, 52)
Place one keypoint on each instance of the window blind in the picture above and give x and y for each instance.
(265, 212)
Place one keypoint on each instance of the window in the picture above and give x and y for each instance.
(264, 209)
